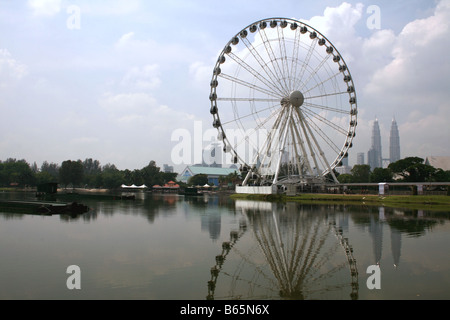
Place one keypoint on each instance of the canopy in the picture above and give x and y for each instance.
(134, 187)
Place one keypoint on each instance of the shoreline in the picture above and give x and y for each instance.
(418, 202)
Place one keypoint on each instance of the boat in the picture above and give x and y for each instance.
(43, 208)
(190, 192)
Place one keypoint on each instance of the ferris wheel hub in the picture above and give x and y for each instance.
(296, 99)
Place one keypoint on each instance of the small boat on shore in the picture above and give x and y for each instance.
(43, 208)
(190, 192)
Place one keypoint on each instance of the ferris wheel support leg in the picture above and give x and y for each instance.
(283, 144)
(249, 174)
(322, 154)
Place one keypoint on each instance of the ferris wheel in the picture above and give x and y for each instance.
(284, 103)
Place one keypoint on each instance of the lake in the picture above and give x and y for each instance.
(172, 247)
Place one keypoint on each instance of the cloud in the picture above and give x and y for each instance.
(142, 78)
(201, 73)
(45, 7)
(418, 69)
(161, 51)
(127, 102)
(427, 134)
(112, 8)
(10, 69)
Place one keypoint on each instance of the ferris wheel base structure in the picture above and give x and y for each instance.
(283, 186)
(257, 189)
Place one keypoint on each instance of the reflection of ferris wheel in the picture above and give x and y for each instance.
(284, 103)
(291, 254)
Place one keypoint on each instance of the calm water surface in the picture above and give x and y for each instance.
(175, 248)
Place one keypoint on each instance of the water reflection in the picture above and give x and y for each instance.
(177, 247)
(293, 251)
(296, 254)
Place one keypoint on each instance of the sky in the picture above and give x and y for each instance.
(113, 80)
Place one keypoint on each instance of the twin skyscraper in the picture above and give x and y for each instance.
(375, 156)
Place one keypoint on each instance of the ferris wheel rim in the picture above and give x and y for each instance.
(351, 91)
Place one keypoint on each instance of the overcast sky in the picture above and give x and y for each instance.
(112, 80)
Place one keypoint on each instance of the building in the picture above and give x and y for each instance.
(394, 146)
(439, 162)
(212, 173)
(344, 169)
(168, 187)
(167, 168)
(360, 159)
(374, 155)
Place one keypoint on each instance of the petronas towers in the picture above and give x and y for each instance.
(394, 148)
(375, 157)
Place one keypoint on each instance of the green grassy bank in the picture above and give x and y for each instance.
(441, 203)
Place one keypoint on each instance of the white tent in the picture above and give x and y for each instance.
(134, 187)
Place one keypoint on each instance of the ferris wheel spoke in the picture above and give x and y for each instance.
(284, 58)
(274, 61)
(250, 85)
(295, 57)
(322, 134)
(285, 132)
(333, 77)
(248, 99)
(322, 155)
(302, 146)
(318, 106)
(263, 64)
(327, 122)
(312, 151)
(253, 131)
(326, 95)
(265, 149)
(318, 68)
(255, 73)
(253, 114)
(305, 64)
(297, 144)
(271, 143)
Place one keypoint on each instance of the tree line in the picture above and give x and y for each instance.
(91, 174)
(411, 169)
(86, 174)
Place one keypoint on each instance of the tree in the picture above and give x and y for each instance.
(16, 171)
(198, 180)
(51, 168)
(361, 173)
(413, 169)
(112, 177)
(71, 172)
(381, 175)
(151, 174)
(92, 173)
(441, 176)
(233, 178)
(345, 178)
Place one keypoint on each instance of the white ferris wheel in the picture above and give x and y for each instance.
(284, 103)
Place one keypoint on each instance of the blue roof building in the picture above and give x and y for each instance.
(213, 173)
